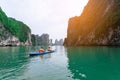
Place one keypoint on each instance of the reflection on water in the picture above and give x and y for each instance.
(72, 63)
(49, 67)
(45, 56)
(94, 63)
(12, 62)
(15, 64)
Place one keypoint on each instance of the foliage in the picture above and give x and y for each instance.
(33, 39)
(15, 27)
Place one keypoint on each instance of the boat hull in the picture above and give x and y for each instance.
(40, 53)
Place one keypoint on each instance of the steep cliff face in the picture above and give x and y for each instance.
(6, 38)
(99, 24)
(58, 42)
(13, 32)
(40, 39)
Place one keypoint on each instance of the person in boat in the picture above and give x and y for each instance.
(49, 49)
(41, 49)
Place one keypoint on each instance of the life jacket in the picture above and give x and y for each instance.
(49, 49)
(41, 50)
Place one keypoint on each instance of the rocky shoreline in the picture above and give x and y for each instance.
(13, 32)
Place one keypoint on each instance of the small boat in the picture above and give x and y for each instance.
(41, 53)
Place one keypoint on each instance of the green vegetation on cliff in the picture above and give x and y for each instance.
(17, 28)
(33, 39)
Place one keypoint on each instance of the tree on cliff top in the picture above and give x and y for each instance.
(17, 28)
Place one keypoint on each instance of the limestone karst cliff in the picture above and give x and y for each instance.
(38, 40)
(13, 32)
(99, 24)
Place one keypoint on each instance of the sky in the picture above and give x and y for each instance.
(44, 16)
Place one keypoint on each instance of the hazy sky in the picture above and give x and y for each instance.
(44, 16)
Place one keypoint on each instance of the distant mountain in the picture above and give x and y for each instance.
(59, 42)
(99, 24)
(13, 32)
(40, 40)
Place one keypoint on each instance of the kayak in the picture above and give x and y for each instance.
(40, 53)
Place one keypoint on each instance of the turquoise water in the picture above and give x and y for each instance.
(72, 63)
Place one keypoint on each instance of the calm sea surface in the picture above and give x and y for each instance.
(72, 63)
